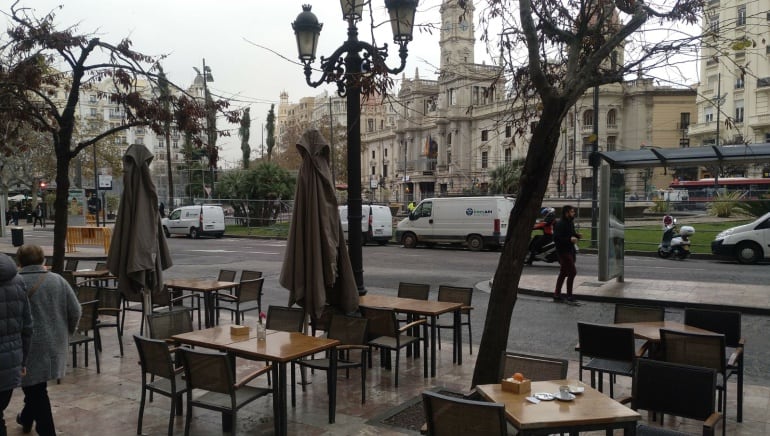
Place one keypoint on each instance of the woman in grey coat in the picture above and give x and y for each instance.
(15, 333)
(56, 311)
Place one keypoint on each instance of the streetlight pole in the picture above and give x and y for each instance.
(210, 122)
(344, 68)
(96, 189)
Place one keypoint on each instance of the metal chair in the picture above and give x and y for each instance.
(110, 302)
(416, 291)
(164, 377)
(71, 264)
(675, 389)
(728, 323)
(609, 349)
(533, 367)
(250, 275)
(247, 297)
(634, 313)
(212, 373)
(456, 294)
(287, 319)
(351, 332)
(385, 334)
(226, 275)
(164, 325)
(447, 416)
(703, 350)
(86, 325)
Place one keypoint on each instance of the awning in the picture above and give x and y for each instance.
(655, 157)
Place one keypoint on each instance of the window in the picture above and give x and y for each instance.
(160, 144)
(448, 157)
(452, 97)
(92, 98)
(370, 125)
(139, 140)
(588, 118)
(484, 159)
(587, 147)
(508, 156)
(485, 135)
(508, 130)
(373, 155)
(93, 112)
(738, 111)
(684, 120)
(571, 151)
(740, 19)
(374, 170)
(475, 96)
(739, 82)
(612, 118)
(449, 139)
(175, 144)
(384, 170)
(714, 23)
(709, 114)
(385, 152)
(767, 137)
(611, 140)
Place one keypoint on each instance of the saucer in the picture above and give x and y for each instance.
(576, 389)
(544, 396)
(569, 397)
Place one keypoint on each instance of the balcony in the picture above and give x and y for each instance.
(759, 121)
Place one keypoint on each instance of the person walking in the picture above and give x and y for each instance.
(565, 238)
(15, 215)
(38, 215)
(56, 309)
(15, 333)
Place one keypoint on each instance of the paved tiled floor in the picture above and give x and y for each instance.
(86, 403)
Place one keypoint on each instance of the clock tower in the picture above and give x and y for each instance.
(457, 40)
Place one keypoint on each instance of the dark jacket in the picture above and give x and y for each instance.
(15, 325)
(56, 310)
(562, 233)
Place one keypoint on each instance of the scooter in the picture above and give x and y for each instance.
(673, 242)
(542, 246)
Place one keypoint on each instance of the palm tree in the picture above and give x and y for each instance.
(505, 178)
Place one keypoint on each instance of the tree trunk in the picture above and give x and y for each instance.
(60, 206)
(534, 181)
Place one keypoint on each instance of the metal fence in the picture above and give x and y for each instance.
(255, 213)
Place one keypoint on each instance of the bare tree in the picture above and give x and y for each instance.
(40, 62)
(553, 52)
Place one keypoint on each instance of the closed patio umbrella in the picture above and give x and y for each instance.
(316, 267)
(138, 251)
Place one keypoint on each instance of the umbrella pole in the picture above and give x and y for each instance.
(147, 306)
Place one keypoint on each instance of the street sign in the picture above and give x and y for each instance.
(105, 181)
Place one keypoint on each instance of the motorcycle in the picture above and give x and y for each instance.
(541, 247)
(673, 242)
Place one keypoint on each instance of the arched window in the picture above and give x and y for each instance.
(612, 118)
(588, 118)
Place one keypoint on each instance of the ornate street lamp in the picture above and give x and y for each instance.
(344, 67)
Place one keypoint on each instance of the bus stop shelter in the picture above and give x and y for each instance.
(612, 194)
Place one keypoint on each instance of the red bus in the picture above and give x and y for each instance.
(706, 189)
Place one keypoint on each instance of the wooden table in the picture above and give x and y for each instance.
(590, 411)
(92, 274)
(650, 331)
(208, 288)
(280, 348)
(427, 308)
(216, 338)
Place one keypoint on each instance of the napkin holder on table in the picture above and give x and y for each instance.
(239, 330)
(517, 387)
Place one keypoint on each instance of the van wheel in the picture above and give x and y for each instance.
(382, 242)
(409, 240)
(166, 232)
(475, 243)
(194, 233)
(748, 252)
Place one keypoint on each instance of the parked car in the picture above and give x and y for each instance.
(376, 223)
(477, 222)
(748, 243)
(195, 221)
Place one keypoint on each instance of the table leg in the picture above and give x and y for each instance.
(433, 321)
(207, 303)
(332, 385)
(459, 333)
(279, 397)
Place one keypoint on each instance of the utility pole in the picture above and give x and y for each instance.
(594, 161)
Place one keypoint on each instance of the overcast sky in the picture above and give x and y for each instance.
(226, 33)
(229, 33)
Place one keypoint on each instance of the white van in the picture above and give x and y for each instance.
(478, 222)
(195, 221)
(748, 243)
(376, 223)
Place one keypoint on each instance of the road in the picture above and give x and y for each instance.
(538, 325)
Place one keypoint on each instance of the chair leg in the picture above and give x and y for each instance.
(739, 415)
(172, 412)
(188, 415)
(363, 377)
(470, 336)
(398, 353)
(141, 407)
(96, 357)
